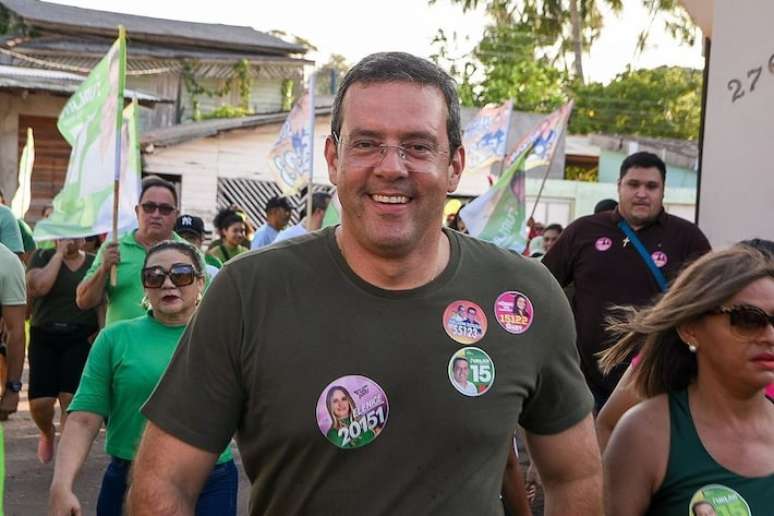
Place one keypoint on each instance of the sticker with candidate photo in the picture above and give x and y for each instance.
(352, 411)
(603, 244)
(514, 312)
(659, 258)
(718, 500)
(471, 371)
(464, 321)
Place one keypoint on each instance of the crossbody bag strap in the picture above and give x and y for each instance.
(646, 257)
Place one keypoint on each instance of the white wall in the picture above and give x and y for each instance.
(737, 184)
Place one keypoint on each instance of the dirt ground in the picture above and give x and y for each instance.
(27, 480)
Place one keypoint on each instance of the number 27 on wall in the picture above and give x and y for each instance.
(737, 88)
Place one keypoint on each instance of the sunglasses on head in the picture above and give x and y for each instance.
(180, 274)
(150, 207)
(746, 320)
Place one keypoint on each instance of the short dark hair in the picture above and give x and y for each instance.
(183, 247)
(554, 227)
(230, 220)
(643, 160)
(320, 201)
(402, 67)
(605, 205)
(278, 202)
(454, 362)
(149, 182)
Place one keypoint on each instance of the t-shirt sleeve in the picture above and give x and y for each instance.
(10, 235)
(40, 259)
(94, 390)
(559, 259)
(13, 287)
(200, 398)
(560, 398)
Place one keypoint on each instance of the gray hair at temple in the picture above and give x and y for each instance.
(402, 67)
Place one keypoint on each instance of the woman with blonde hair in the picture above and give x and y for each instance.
(705, 431)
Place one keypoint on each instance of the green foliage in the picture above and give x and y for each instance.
(664, 102)
(286, 90)
(241, 79)
(576, 173)
(226, 112)
(330, 74)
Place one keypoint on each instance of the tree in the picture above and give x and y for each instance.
(330, 74)
(663, 102)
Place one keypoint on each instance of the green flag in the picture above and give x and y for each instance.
(498, 215)
(91, 122)
(21, 200)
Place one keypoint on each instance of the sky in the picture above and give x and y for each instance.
(356, 28)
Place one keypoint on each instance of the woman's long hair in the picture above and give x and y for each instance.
(666, 362)
(338, 423)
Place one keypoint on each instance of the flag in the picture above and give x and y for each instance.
(486, 136)
(332, 215)
(21, 200)
(291, 156)
(498, 216)
(90, 122)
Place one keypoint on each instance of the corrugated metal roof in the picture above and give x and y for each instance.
(48, 15)
(18, 77)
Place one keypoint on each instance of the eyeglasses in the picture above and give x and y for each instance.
(180, 274)
(419, 155)
(747, 321)
(150, 207)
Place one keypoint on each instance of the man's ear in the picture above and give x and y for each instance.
(332, 159)
(456, 166)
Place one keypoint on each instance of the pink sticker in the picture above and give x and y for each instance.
(464, 321)
(659, 258)
(603, 244)
(514, 312)
(352, 411)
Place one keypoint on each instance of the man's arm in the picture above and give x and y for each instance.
(623, 398)
(514, 491)
(13, 315)
(40, 278)
(91, 290)
(570, 468)
(167, 475)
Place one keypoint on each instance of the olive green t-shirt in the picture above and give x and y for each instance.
(59, 304)
(123, 367)
(289, 338)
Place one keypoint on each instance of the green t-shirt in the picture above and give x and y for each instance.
(211, 260)
(273, 372)
(10, 234)
(225, 252)
(124, 365)
(124, 301)
(13, 286)
(59, 304)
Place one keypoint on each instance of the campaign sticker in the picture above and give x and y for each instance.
(352, 411)
(603, 244)
(471, 371)
(659, 258)
(464, 321)
(716, 500)
(514, 312)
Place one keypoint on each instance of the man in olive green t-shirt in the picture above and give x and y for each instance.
(156, 214)
(331, 356)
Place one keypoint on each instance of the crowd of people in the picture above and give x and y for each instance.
(627, 359)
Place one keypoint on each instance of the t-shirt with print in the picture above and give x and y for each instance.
(270, 369)
(123, 367)
(59, 304)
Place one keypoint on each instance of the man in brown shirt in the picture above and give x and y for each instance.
(596, 255)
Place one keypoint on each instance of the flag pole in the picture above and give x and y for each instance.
(312, 83)
(117, 162)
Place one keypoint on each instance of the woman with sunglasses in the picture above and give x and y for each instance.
(705, 431)
(125, 363)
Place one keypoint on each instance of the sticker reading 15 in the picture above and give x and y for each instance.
(352, 411)
(464, 321)
(471, 371)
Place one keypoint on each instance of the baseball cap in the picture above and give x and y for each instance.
(189, 224)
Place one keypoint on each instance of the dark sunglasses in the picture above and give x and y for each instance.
(180, 274)
(746, 320)
(150, 207)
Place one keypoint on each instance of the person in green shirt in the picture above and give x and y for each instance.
(703, 438)
(233, 233)
(124, 365)
(156, 214)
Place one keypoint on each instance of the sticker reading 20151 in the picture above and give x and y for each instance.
(352, 411)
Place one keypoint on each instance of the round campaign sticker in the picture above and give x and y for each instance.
(659, 258)
(715, 499)
(514, 312)
(464, 321)
(352, 411)
(603, 244)
(471, 371)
